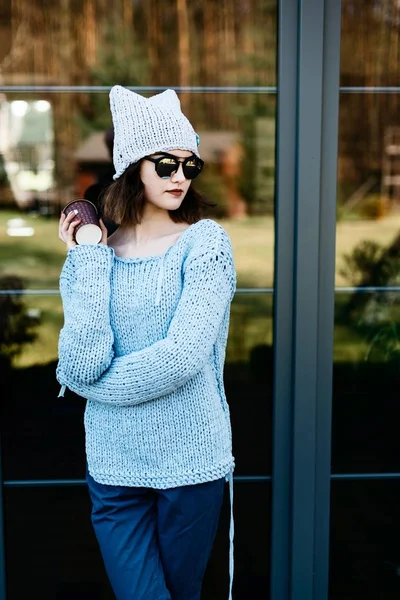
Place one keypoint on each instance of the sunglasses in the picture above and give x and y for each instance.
(166, 164)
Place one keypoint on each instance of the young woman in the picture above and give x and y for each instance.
(146, 316)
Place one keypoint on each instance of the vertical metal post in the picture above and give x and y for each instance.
(283, 298)
(307, 131)
(305, 273)
(326, 292)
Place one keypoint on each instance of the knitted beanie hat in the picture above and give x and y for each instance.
(143, 126)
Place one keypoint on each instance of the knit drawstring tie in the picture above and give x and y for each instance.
(231, 534)
(62, 391)
(160, 280)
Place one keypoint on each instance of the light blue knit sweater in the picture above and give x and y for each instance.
(144, 342)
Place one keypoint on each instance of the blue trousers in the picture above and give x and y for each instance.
(156, 544)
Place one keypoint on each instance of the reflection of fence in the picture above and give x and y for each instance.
(391, 163)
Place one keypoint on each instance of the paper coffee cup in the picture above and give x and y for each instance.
(88, 231)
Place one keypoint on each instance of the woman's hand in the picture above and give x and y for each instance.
(67, 227)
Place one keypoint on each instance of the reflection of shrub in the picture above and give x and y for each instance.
(16, 325)
(371, 263)
(384, 342)
(380, 322)
(374, 206)
(376, 316)
(359, 264)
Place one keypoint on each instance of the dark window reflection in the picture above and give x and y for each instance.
(52, 552)
(365, 530)
(41, 434)
(249, 382)
(366, 380)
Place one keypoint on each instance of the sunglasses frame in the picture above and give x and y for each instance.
(179, 160)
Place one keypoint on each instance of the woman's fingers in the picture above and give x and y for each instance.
(71, 231)
(67, 226)
(65, 221)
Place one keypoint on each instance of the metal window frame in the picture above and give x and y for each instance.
(307, 133)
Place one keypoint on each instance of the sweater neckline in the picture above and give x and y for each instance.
(139, 259)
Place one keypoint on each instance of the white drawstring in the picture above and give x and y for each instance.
(231, 535)
(160, 281)
(62, 391)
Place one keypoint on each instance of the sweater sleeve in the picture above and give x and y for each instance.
(85, 347)
(208, 286)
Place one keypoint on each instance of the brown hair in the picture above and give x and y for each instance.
(123, 201)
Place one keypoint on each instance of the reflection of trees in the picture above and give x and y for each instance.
(201, 43)
(377, 315)
(16, 325)
(369, 57)
(95, 42)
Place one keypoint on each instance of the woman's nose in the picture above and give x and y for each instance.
(178, 175)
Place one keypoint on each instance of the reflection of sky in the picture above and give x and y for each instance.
(26, 141)
(30, 126)
(27, 180)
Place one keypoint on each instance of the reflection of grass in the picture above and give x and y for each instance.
(253, 247)
(44, 349)
(38, 260)
(250, 326)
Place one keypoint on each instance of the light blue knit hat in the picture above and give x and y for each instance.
(143, 126)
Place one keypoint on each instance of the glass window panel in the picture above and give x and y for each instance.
(142, 43)
(50, 540)
(49, 533)
(370, 50)
(366, 380)
(42, 435)
(368, 189)
(364, 548)
(249, 382)
(43, 166)
(44, 171)
(364, 560)
(367, 241)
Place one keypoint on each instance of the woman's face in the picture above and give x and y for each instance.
(166, 194)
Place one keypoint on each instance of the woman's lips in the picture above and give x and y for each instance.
(176, 193)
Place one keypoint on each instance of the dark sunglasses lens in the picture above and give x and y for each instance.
(192, 168)
(166, 166)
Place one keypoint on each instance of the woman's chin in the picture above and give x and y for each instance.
(168, 204)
